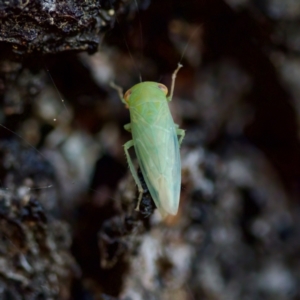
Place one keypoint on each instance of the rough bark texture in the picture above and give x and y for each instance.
(44, 27)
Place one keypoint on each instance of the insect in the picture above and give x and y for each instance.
(155, 140)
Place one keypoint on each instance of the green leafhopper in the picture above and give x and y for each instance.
(155, 140)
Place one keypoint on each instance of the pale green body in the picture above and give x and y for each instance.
(156, 143)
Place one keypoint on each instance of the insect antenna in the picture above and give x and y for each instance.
(26, 142)
(57, 91)
(32, 147)
(179, 65)
(131, 57)
(188, 43)
(136, 66)
(141, 35)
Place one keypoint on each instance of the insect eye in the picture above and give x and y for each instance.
(127, 95)
(163, 88)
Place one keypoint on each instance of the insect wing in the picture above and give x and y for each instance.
(157, 150)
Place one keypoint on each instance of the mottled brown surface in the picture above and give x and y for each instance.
(45, 27)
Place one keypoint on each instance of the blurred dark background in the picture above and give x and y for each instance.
(68, 226)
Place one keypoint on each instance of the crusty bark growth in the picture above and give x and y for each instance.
(53, 26)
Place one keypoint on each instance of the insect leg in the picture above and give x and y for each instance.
(173, 81)
(180, 132)
(127, 127)
(119, 90)
(133, 171)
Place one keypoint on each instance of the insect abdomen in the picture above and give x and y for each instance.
(157, 150)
